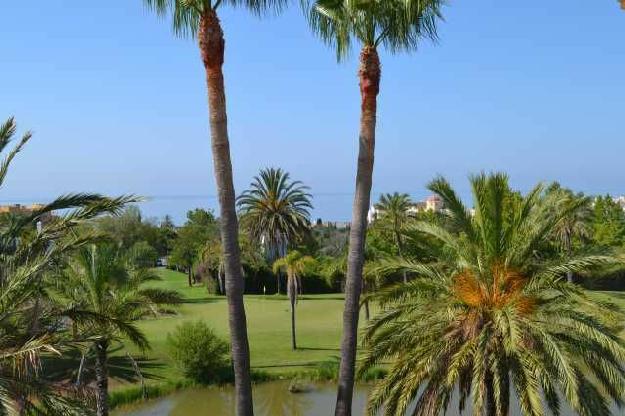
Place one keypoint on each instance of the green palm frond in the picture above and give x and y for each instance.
(493, 320)
(276, 210)
(186, 14)
(7, 130)
(399, 25)
(103, 294)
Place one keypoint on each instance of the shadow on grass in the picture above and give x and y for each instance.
(120, 366)
(201, 300)
(311, 364)
(282, 297)
(617, 295)
(318, 349)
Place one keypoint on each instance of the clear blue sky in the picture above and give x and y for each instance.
(117, 103)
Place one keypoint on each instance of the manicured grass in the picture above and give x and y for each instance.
(268, 320)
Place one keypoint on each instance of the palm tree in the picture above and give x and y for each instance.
(32, 243)
(294, 264)
(397, 25)
(199, 18)
(394, 212)
(102, 292)
(575, 224)
(492, 315)
(276, 211)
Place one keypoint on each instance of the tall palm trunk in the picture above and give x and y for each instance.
(292, 290)
(369, 74)
(102, 378)
(212, 44)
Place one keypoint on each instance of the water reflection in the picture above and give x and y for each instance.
(274, 399)
(271, 398)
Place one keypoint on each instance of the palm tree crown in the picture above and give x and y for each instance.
(276, 210)
(395, 205)
(491, 316)
(396, 24)
(188, 13)
(394, 213)
(102, 285)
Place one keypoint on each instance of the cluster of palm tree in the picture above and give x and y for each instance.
(61, 287)
(33, 245)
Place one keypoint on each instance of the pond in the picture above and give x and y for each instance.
(270, 399)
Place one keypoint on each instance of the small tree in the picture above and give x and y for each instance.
(575, 224)
(294, 265)
(201, 226)
(394, 213)
(202, 355)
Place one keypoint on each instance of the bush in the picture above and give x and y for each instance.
(202, 356)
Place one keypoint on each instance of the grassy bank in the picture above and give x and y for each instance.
(268, 318)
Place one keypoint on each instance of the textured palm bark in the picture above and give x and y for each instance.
(211, 43)
(369, 74)
(102, 378)
(292, 290)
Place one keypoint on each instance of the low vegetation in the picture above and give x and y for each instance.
(202, 356)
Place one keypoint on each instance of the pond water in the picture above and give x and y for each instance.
(270, 399)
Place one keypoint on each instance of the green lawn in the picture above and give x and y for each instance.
(268, 322)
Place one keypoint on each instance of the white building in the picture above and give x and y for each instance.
(621, 201)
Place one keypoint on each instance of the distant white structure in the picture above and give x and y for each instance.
(434, 203)
(621, 201)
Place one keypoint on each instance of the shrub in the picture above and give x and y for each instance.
(202, 356)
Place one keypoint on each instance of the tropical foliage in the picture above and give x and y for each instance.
(493, 319)
(200, 228)
(32, 243)
(102, 292)
(574, 225)
(394, 211)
